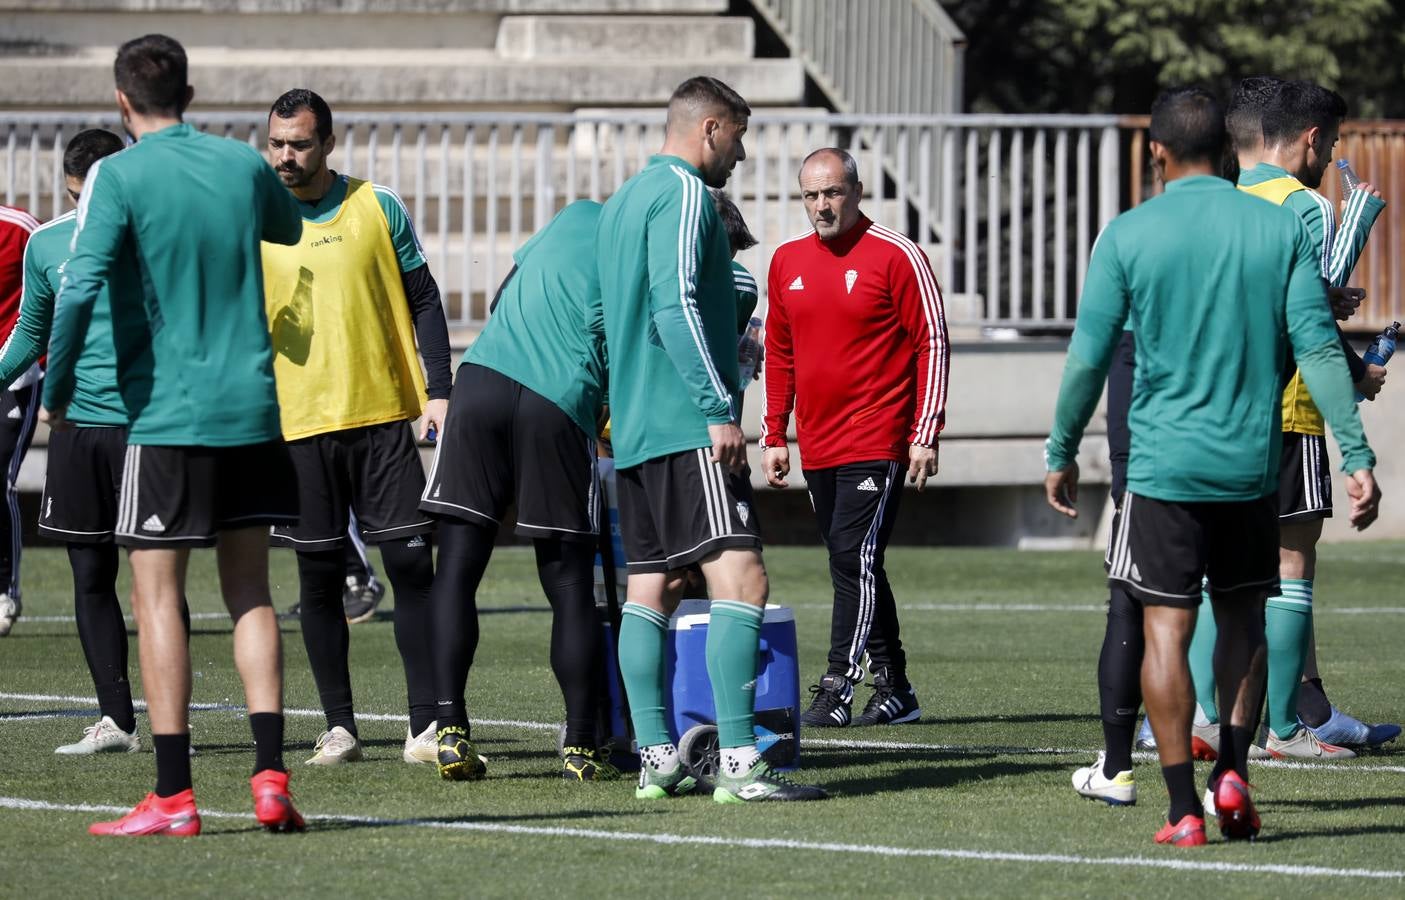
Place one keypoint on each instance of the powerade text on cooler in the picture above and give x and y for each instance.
(1380, 351)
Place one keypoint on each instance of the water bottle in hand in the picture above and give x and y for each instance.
(1349, 179)
(749, 352)
(1380, 351)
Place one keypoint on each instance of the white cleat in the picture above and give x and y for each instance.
(422, 747)
(1090, 782)
(105, 736)
(335, 747)
(1304, 745)
(9, 612)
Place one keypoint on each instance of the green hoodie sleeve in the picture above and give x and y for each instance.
(1102, 314)
(675, 238)
(30, 336)
(1350, 240)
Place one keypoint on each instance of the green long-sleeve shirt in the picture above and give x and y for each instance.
(172, 227)
(670, 313)
(1217, 284)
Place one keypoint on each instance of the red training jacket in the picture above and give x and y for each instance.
(856, 345)
(15, 227)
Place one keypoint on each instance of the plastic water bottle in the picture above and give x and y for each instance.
(1349, 179)
(1380, 351)
(749, 351)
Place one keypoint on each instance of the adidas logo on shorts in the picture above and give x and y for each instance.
(153, 523)
(868, 485)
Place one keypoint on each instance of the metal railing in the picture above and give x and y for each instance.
(1006, 206)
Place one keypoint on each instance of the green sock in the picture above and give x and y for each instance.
(1288, 628)
(1202, 658)
(643, 638)
(733, 636)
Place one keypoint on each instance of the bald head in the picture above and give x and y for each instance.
(831, 191)
(706, 121)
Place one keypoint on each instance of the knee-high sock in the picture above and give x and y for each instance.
(643, 639)
(464, 550)
(102, 630)
(566, 571)
(1202, 659)
(1119, 679)
(1288, 628)
(409, 564)
(733, 634)
(321, 578)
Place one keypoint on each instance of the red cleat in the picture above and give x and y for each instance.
(1239, 821)
(1188, 832)
(273, 805)
(1201, 749)
(175, 816)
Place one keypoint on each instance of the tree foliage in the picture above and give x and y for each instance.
(1085, 56)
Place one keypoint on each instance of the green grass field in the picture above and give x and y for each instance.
(973, 801)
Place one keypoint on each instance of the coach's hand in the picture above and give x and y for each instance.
(776, 462)
(1371, 383)
(1345, 301)
(728, 445)
(434, 413)
(921, 465)
(54, 418)
(1061, 489)
(1365, 497)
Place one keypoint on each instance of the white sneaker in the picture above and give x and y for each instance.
(9, 611)
(1090, 781)
(105, 736)
(1209, 804)
(335, 747)
(422, 747)
(1304, 745)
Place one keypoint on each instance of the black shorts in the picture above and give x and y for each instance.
(79, 505)
(374, 471)
(504, 443)
(1304, 478)
(682, 508)
(175, 497)
(1162, 551)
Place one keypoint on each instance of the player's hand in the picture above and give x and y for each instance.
(921, 465)
(1365, 497)
(1371, 189)
(433, 419)
(1345, 301)
(728, 445)
(1061, 489)
(1371, 383)
(54, 418)
(776, 462)
(760, 360)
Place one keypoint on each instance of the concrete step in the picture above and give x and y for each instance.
(626, 37)
(423, 79)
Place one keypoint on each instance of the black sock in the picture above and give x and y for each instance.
(268, 741)
(172, 763)
(321, 579)
(102, 631)
(566, 571)
(1313, 706)
(1119, 679)
(1180, 781)
(409, 564)
(1243, 740)
(464, 549)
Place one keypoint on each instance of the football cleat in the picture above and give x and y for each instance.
(457, 758)
(359, 600)
(104, 736)
(273, 805)
(832, 703)
(335, 747)
(10, 608)
(173, 816)
(1205, 742)
(1091, 782)
(1145, 739)
(422, 747)
(1239, 821)
(1188, 832)
(1348, 731)
(759, 783)
(586, 764)
(890, 704)
(1304, 745)
(656, 785)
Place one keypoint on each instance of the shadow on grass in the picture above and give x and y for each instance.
(316, 824)
(1029, 718)
(930, 770)
(1328, 805)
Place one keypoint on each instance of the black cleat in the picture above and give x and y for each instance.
(832, 703)
(890, 704)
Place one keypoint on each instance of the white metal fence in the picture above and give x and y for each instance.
(1006, 206)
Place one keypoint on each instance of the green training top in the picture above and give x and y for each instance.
(746, 294)
(670, 313)
(95, 398)
(397, 218)
(1217, 284)
(173, 225)
(548, 331)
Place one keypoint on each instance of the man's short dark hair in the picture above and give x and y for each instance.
(86, 148)
(703, 93)
(151, 71)
(1244, 118)
(1189, 122)
(298, 99)
(738, 235)
(1298, 106)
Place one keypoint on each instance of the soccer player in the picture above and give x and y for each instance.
(1201, 475)
(670, 328)
(857, 347)
(172, 227)
(346, 305)
(521, 428)
(17, 408)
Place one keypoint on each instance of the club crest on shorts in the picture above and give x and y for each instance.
(743, 511)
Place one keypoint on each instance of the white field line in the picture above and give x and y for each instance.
(1061, 859)
(808, 742)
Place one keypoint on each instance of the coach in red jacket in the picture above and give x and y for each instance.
(856, 345)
